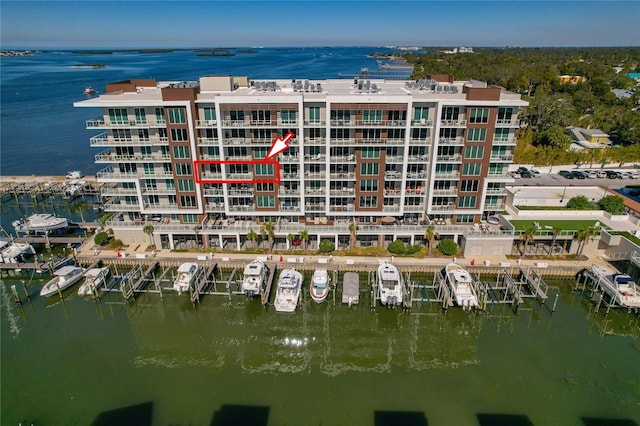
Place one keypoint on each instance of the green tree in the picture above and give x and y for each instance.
(580, 202)
(396, 247)
(101, 238)
(291, 237)
(527, 237)
(612, 204)
(252, 236)
(267, 231)
(148, 229)
(352, 235)
(326, 246)
(304, 236)
(431, 236)
(584, 234)
(448, 247)
(556, 231)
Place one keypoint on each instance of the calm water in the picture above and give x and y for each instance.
(64, 363)
(42, 133)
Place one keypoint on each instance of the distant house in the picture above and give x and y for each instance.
(588, 138)
(622, 93)
(572, 79)
(635, 76)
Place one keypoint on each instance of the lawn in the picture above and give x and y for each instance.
(565, 225)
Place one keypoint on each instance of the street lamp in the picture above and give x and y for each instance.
(563, 194)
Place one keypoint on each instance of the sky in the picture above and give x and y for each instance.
(185, 24)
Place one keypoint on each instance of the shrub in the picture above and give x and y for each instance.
(326, 246)
(448, 247)
(397, 247)
(580, 202)
(101, 238)
(116, 244)
(412, 249)
(612, 204)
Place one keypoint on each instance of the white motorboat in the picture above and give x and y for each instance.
(622, 289)
(461, 284)
(288, 290)
(63, 278)
(255, 275)
(74, 174)
(89, 90)
(186, 275)
(40, 223)
(93, 279)
(72, 188)
(319, 287)
(390, 285)
(14, 252)
(351, 288)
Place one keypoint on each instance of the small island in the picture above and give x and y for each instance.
(94, 66)
(16, 53)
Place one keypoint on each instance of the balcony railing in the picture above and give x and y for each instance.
(508, 122)
(104, 140)
(315, 123)
(456, 158)
(447, 175)
(115, 158)
(206, 123)
(451, 192)
(207, 141)
(100, 123)
(350, 192)
(500, 158)
(420, 142)
(117, 192)
(423, 122)
(504, 141)
(460, 122)
(451, 141)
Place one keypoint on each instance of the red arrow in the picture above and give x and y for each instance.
(279, 145)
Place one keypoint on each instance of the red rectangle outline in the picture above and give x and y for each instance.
(199, 181)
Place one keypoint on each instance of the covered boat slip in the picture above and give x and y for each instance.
(610, 289)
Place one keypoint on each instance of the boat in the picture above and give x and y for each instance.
(63, 278)
(72, 188)
(40, 223)
(89, 90)
(622, 289)
(288, 290)
(254, 278)
(390, 285)
(186, 275)
(14, 252)
(74, 174)
(461, 284)
(319, 287)
(93, 278)
(351, 288)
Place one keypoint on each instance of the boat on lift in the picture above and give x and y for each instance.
(319, 287)
(254, 278)
(461, 285)
(288, 290)
(186, 275)
(62, 279)
(93, 278)
(40, 223)
(14, 252)
(390, 285)
(621, 288)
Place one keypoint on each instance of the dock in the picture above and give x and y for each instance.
(201, 283)
(267, 286)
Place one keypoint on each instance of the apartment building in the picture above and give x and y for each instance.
(370, 161)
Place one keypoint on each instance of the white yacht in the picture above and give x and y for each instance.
(461, 284)
(14, 252)
(622, 289)
(93, 279)
(40, 223)
(72, 188)
(319, 287)
(63, 278)
(186, 275)
(288, 290)
(390, 285)
(255, 275)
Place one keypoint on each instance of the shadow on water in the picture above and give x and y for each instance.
(246, 415)
(597, 421)
(405, 418)
(503, 420)
(133, 415)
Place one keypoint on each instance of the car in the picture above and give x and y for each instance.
(522, 169)
(625, 175)
(591, 174)
(635, 175)
(514, 175)
(566, 174)
(578, 174)
(602, 174)
(535, 173)
(526, 174)
(612, 174)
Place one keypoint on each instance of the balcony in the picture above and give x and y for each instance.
(241, 192)
(351, 159)
(496, 191)
(316, 175)
(455, 158)
(508, 122)
(241, 208)
(340, 208)
(289, 158)
(447, 175)
(315, 123)
(348, 192)
(347, 176)
(115, 158)
(450, 192)
(315, 141)
(104, 140)
(451, 141)
(206, 123)
(291, 192)
(317, 158)
(504, 175)
(494, 206)
(420, 142)
(120, 207)
(290, 175)
(459, 122)
(342, 123)
(235, 123)
(238, 157)
(391, 209)
(417, 159)
(210, 175)
(209, 192)
(158, 191)
(242, 176)
(392, 192)
(415, 208)
(236, 141)
(423, 122)
(207, 141)
(117, 192)
(443, 208)
(510, 141)
(214, 207)
(318, 207)
(394, 175)
(160, 207)
(101, 123)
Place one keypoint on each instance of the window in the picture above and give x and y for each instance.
(473, 152)
(236, 115)
(472, 169)
(260, 153)
(143, 134)
(314, 133)
(183, 169)
(145, 151)
(340, 134)
(261, 134)
(132, 201)
(209, 113)
(288, 116)
(314, 114)
(369, 168)
(370, 152)
(397, 115)
(179, 135)
(372, 116)
(264, 169)
(265, 187)
(476, 135)
(420, 114)
(266, 201)
(128, 185)
(177, 115)
(170, 184)
(505, 114)
(479, 115)
(450, 113)
(369, 185)
(501, 135)
(148, 168)
(371, 134)
(368, 201)
(341, 115)
(396, 133)
(421, 134)
(498, 152)
(160, 115)
(467, 201)
(189, 218)
(118, 116)
(141, 117)
(212, 151)
(261, 117)
(496, 169)
(465, 218)
(188, 201)
(185, 185)
(181, 152)
(469, 186)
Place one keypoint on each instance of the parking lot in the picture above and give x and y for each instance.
(554, 179)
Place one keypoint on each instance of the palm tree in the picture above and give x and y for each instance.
(584, 234)
(252, 236)
(527, 237)
(148, 229)
(556, 231)
(304, 236)
(291, 237)
(431, 236)
(267, 230)
(352, 237)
